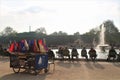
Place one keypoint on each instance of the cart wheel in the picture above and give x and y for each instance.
(37, 72)
(45, 70)
(16, 70)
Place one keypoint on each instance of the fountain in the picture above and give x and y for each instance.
(102, 46)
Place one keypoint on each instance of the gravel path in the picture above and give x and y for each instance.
(65, 70)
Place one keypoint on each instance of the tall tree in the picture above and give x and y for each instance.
(111, 33)
(110, 27)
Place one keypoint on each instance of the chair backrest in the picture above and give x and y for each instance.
(51, 60)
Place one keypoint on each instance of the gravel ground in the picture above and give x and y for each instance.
(66, 70)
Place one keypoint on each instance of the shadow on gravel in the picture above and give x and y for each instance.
(65, 64)
(24, 76)
(4, 59)
(98, 65)
(92, 65)
(68, 64)
(116, 64)
(89, 65)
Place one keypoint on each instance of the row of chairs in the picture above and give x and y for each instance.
(51, 60)
(93, 58)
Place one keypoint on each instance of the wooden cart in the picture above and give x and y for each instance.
(31, 62)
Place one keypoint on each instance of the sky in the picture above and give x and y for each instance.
(69, 16)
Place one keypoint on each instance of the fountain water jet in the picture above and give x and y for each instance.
(102, 44)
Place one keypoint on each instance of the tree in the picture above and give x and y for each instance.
(54, 34)
(41, 30)
(110, 27)
(8, 31)
(111, 33)
(77, 33)
(62, 33)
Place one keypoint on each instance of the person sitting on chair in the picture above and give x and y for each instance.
(74, 53)
(112, 54)
(92, 54)
(66, 53)
(50, 54)
(118, 56)
(84, 53)
(51, 58)
(60, 52)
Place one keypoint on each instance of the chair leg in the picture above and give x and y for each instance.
(49, 65)
(54, 67)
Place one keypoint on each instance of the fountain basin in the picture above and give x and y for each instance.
(103, 47)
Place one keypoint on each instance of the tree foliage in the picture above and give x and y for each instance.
(77, 33)
(60, 33)
(111, 33)
(110, 27)
(41, 30)
(112, 36)
(8, 31)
